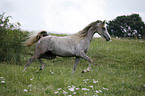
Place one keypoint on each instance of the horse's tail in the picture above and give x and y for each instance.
(35, 39)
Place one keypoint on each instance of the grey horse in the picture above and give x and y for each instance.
(75, 45)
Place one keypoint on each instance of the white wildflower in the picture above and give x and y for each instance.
(1, 77)
(86, 80)
(64, 92)
(97, 91)
(77, 88)
(144, 85)
(105, 88)
(141, 41)
(69, 95)
(32, 78)
(25, 90)
(139, 75)
(51, 72)
(95, 81)
(30, 85)
(85, 89)
(74, 92)
(73, 86)
(86, 93)
(100, 91)
(71, 89)
(59, 88)
(91, 86)
(56, 92)
(3, 82)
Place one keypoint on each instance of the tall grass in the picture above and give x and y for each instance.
(118, 70)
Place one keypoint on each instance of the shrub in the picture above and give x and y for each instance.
(11, 38)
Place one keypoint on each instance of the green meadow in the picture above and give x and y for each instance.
(118, 70)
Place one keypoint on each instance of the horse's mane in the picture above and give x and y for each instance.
(83, 33)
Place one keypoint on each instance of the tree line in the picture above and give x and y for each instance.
(127, 26)
(12, 37)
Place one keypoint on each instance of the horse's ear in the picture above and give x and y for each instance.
(104, 22)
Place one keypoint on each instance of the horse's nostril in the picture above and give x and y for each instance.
(108, 39)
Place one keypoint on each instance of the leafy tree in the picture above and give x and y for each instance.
(127, 26)
(11, 38)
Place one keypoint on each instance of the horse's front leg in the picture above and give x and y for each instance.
(29, 62)
(83, 55)
(77, 59)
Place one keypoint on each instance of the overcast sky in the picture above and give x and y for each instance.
(67, 16)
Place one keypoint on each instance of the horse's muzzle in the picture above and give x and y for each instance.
(107, 39)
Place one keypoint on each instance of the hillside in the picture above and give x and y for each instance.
(118, 70)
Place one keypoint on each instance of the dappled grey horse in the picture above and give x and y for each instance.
(75, 45)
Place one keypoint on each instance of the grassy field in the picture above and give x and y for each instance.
(118, 70)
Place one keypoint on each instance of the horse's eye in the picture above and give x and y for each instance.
(103, 28)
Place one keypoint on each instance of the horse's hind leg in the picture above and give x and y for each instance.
(42, 64)
(77, 59)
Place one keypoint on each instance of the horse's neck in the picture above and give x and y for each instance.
(89, 36)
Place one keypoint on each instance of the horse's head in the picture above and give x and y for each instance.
(102, 30)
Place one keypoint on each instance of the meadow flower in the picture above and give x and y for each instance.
(77, 88)
(32, 78)
(30, 85)
(95, 81)
(25, 90)
(105, 88)
(51, 72)
(1, 77)
(3, 82)
(100, 91)
(97, 91)
(59, 88)
(64, 92)
(71, 88)
(56, 92)
(85, 80)
(91, 86)
(86, 89)
(74, 92)
(139, 75)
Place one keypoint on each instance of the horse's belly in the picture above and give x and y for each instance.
(64, 53)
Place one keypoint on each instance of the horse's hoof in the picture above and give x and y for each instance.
(40, 69)
(83, 71)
